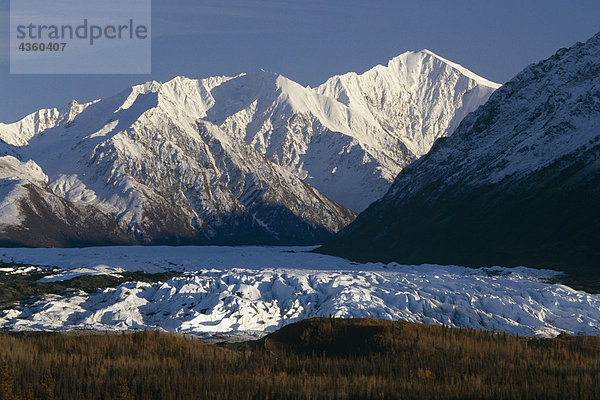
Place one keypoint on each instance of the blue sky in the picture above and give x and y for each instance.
(310, 40)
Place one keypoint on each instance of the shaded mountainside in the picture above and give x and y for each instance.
(518, 183)
(251, 159)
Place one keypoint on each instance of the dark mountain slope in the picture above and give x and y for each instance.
(518, 183)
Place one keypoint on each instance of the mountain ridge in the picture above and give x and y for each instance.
(515, 184)
(192, 160)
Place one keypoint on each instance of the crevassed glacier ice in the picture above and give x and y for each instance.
(256, 290)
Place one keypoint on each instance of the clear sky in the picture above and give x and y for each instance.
(311, 40)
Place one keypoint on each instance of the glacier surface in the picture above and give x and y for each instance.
(250, 291)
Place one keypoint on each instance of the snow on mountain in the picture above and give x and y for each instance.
(255, 158)
(351, 136)
(516, 184)
(417, 98)
(19, 133)
(13, 174)
(255, 290)
(340, 152)
(168, 177)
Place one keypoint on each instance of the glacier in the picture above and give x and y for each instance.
(250, 291)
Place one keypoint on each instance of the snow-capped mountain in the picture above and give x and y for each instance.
(158, 177)
(417, 98)
(518, 182)
(352, 135)
(255, 158)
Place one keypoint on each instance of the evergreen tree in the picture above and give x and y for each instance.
(123, 392)
(48, 385)
(6, 383)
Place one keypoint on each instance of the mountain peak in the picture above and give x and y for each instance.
(254, 158)
(386, 93)
(516, 183)
(414, 58)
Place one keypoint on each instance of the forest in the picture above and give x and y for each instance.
(327, 358)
